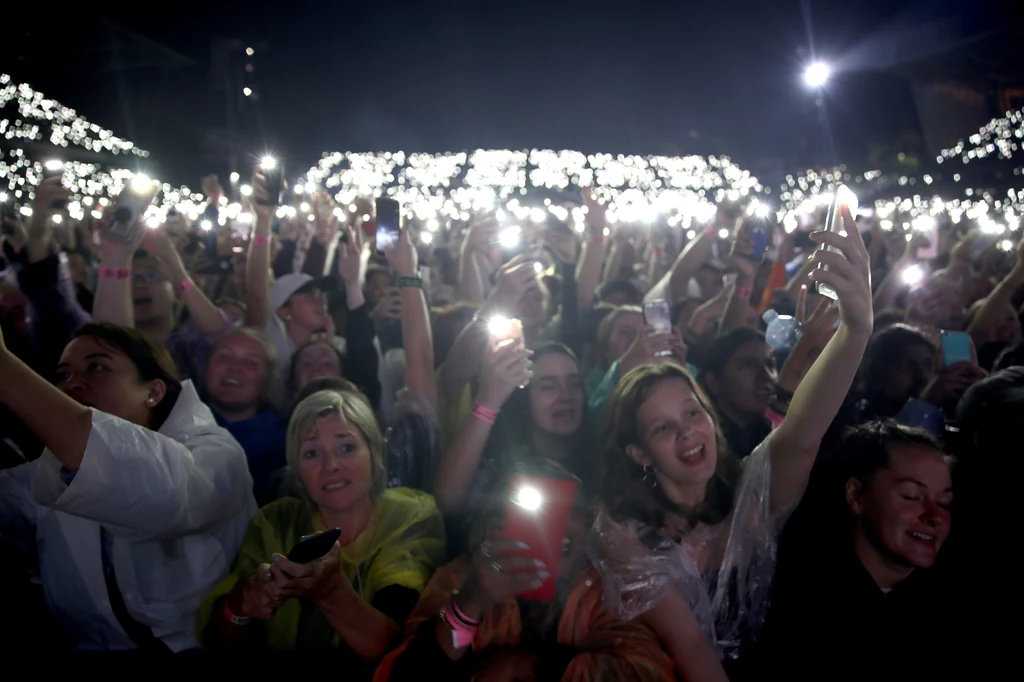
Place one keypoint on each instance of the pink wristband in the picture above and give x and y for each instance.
(185, 285)
(261, 239)
(460, 614)
(114, 273)
(744, 292)
(484, 414)
(463, 630)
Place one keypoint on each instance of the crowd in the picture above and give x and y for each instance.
(564, 454)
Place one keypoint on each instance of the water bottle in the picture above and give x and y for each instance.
(783, 330)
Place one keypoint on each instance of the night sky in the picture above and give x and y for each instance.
(630, 77)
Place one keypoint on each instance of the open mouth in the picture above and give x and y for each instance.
(233, 383)
(925, 538)
(143, 301)
(694, 455)
(564, 415)
(330, 487)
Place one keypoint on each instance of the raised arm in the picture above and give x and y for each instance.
(416, 339)
(257, 264)
(113, 302)
(820, 394)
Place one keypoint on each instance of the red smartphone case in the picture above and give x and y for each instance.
(542, 528)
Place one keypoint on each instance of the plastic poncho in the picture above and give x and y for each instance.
(725, 571)
(401, 545)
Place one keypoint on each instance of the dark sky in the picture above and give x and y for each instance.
(633, 77)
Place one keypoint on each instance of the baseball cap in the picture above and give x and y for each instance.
(289, 285)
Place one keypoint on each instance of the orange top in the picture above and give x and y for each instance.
(609, 649)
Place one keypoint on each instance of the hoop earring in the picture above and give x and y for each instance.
(648, 478)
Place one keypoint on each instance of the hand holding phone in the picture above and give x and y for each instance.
(537, 517)
(272, 171)
(658, 315)
(314, 547)
(957, 348)
(834, 223)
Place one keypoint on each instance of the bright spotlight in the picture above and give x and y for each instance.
(817, 74)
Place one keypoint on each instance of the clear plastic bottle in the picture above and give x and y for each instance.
(783, 331)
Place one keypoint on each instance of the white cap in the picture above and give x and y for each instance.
(285, 287)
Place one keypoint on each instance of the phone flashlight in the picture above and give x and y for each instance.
(509, 237)
(528, 497)
(502, 328)
(912, 275)
(268, 163)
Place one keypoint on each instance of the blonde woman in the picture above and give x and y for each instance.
(355, 598)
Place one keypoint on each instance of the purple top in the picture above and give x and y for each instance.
(55, 315)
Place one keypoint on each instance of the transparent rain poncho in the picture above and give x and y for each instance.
(724, 570)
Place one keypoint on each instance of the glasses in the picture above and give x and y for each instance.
(146, 276)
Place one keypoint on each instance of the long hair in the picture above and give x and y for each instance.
(624, 492)
(514, 427)
(151, 360)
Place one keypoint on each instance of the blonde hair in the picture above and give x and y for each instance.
(353, 410)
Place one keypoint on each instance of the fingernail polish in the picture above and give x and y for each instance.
(537, 583)
(544, 575)
(303, 538)
(522, 545)
(538, 563)
(276, 558)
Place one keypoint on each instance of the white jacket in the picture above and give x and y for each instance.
(176, 502)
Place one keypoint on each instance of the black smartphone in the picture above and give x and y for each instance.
(389, 224)
(272, 171)
(7, 210)
(55, 169)
(314, 547)
(759, 235)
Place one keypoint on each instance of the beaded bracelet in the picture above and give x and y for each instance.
(410, 282)
(114, 273)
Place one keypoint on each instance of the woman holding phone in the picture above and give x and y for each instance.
(685, 540)
(353, 599)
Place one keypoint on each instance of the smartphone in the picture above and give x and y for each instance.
(657, 314)
(127, 215)
(844, 196)
(956, 348)
(759, 236)
(538, 514)
(314, 547)
(503, 329)
(55, 169)
(930, 230)
(389, 223)
(272, 171)
(7, 210)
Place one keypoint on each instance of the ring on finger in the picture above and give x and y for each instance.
(496, 567)
(485, 549)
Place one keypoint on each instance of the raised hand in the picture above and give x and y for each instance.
(848, 274)
(353, 256)
(402, 257)
(505, 368)
(499, 572)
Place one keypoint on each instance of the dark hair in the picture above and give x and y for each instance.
(448, 322)
(337, 384)
(620, 286)
(864, 450)
(623, 489)
(512, 430)
(151, 360)
(1012, 356)
(717, 354)
(290, 381)
(885, 349)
